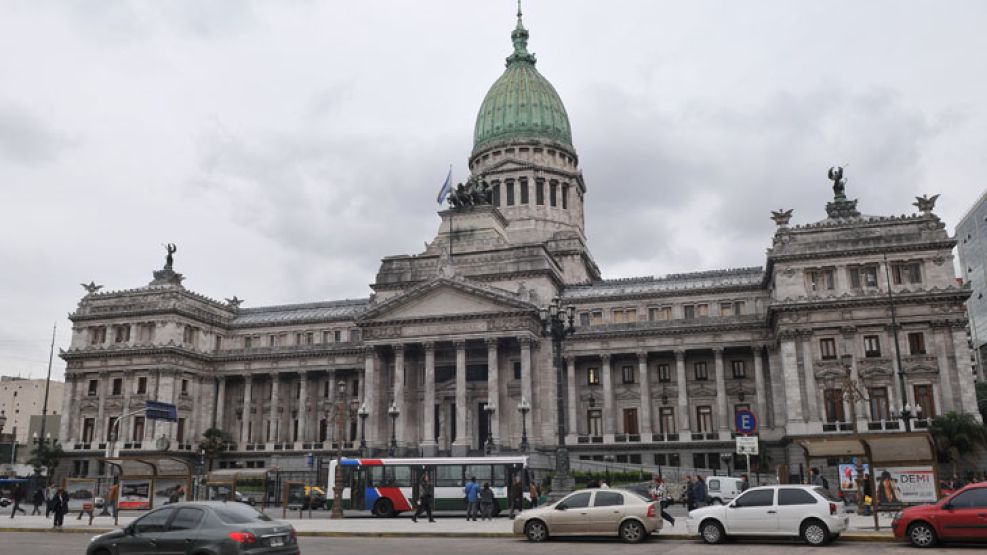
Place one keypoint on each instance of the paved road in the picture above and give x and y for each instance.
(67, 544)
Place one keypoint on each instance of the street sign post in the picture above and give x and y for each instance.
(746, 422)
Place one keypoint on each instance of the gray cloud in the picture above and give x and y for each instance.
(26, 138)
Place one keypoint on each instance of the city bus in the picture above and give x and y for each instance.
(388, 487)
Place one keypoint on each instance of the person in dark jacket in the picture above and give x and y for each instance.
(516, 496)
(486, 502)
(37, 500)
(425, 496)
(59, 507)
(690, 493)
(19, 495)
(700, 491)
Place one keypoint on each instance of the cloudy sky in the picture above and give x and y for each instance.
(286, 146)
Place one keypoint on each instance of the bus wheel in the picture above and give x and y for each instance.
(383, 508)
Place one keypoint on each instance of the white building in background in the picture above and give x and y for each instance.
(654, 374)
(22, 398)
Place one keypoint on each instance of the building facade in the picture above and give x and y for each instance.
(450, 342)
(971, 235)
(23, 398)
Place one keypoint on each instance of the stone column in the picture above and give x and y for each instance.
(428, 421)
(683, 396)
(573, 427)
(608, 400)
(399, 394)
(151, 426)
(945, 373)
(330, 406)
(303, 435)
(493, 390)
(642, 371)
(275, 415)
(68, 411)
(964, 370)
(863, 414)
(218, 419)
(790, 374)
(759, 391)
(124, 430)
(526, 371)
(370, 396)
(721, 394)
(461, 445)
(100, 435)
(248, 385)
(811, 390)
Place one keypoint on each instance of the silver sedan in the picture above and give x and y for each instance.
(593, 512)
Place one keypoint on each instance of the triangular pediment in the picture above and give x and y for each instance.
(446, 297)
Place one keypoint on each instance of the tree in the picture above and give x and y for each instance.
(213, 443)
(957, 435)
(46, 455)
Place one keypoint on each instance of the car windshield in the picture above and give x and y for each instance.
(826, 494)
(238, 513)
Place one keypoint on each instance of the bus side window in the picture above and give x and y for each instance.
(500, 476)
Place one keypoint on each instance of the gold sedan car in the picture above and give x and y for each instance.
(592, 512)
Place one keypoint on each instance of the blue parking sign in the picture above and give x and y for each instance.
(746, 421)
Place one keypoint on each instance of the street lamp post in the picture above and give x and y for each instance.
(489, 409)
(393, 412)
(559, 323)
(363, 413)
(906, 409)
(523, 407)
(341, 418)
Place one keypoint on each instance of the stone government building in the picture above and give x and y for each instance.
(655, 371)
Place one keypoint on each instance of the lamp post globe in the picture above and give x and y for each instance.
(393, 411)
(558, 322)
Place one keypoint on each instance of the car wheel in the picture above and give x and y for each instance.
(815, 533)
(632, 532)
(383, 508)
(921, 534)
(712, 532)
(536, 531)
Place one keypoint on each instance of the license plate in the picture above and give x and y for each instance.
(277, 541)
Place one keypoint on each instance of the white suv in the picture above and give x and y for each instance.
(809, 512)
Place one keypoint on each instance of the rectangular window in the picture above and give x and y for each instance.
(880, 408)
(117, 386)
(93, 387)
(666, 420)
(863, 276)
(510, 193)
(916, 343)
(248, 342)
(594, 422)
(906, 273)
(565, 197)
(540, 192)
(822, 280)
(110, 422)
(738, 308)
(702, 310)
(496, 193)
(524, 191)
(631, 314)
(218, 342)
(617, 316)
(925, 401)
(739, 368)
(584, 319)
(272, 340)
(704, 419)
(726, 309)
(553, 192)
(872, 346)
(138, 431)
(833, 400)
(664, 373)
(517, 370)
(337, 336)
(88, 429)
(660, 313)
(593, 376)
(298, 338)
(701, 372)
(689, 312)
(309, 338)
(630, 422)
(596, 317)
(142, 385)
(627, 373)
(180, 431)
(184, 388)
(827, 348)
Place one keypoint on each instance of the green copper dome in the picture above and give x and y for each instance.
(521, 103)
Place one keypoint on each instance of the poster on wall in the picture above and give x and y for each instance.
(135, 494)
(80, 491)
(905, 484)
(848, 476)
(166, 488)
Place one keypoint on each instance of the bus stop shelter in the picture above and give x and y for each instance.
(146, 479)
(884, 452)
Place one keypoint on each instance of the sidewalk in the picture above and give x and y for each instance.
(359, 525)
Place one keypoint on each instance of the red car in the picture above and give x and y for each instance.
(960, 517)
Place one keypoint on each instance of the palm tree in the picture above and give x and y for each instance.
(957, 435)
(213, 443)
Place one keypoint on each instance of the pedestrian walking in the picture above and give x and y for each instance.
(59, 507)
(425, 496)
(690, 493)
(534, 493)
(699, 491)
(50, 493)
(745, 482)
(659, 493)
(19, 494)
(112, 496)
(37, 500)
(472, 491)
(515, 497)
(486, 502)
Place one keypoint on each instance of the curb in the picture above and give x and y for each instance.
(845, 537)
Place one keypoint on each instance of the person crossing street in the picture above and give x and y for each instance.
(425, 496)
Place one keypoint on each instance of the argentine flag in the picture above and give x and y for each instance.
(446, 187)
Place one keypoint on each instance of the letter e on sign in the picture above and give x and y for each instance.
(746, 421)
